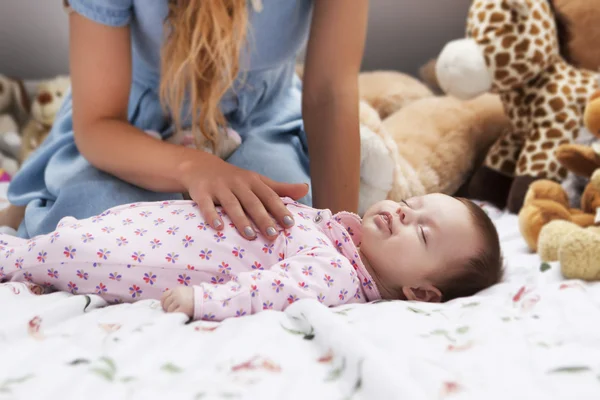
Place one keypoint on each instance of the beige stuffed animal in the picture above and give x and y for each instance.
(45, 106)
(429, 146)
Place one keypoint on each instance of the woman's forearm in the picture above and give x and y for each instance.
(120, 149)
(332, 128)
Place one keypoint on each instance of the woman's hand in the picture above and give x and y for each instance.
(244, 195)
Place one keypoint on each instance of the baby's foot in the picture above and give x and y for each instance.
(180, 299)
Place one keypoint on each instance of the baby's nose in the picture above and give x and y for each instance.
(402, 215)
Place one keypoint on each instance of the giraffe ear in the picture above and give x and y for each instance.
(521, 7)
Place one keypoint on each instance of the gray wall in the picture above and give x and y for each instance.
(403, 34)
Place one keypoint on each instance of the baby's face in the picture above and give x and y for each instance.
(412, 244)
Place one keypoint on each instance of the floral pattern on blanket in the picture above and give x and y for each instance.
(533, 336)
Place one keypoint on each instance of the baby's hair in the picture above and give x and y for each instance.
(485, 268)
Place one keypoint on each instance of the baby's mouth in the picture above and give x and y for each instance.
(387, 218)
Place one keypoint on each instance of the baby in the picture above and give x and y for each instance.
(431, 248)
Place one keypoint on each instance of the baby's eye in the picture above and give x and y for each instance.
(423, 234)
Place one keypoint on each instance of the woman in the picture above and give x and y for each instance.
(163, 65)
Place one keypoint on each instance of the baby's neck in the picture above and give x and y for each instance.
(385, 292)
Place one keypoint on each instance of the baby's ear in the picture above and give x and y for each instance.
(427, 293)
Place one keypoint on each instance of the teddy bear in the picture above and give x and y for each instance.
(14, 108)
(576, 248)
(46, 104)
(547, 200)
(512, 48)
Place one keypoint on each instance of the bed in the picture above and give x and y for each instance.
(534, 336)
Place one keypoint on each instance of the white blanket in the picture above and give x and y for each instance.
(535, 336)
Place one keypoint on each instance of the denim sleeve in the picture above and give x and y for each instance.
(107, 12)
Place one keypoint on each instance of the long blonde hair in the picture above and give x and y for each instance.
(200, 61)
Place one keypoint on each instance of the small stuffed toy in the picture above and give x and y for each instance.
(45, 106)
(576, 248)
(512, 48)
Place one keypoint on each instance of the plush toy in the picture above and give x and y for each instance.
(512, 48)
(45, 106)
(429, 146)
(576, 248)
(14, 102)
(546, 200)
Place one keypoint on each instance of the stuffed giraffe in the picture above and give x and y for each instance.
(512, 48)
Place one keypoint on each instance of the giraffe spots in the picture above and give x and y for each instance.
(534, 30)
(511, 81)
(553, 134)
(538, 167)
(536, 136)
(523, 46)
(538, 42)
(572, 124)
(557, 104)
(547, 25)
(501, 74)
(502, 59)
(561, 117)
(521, 29)
(529, 99)
(481, 16)
(581, 90)
(538, 57)
(536, 15)
(546, 124)
(520, 68)
(508, 41)
(540, 113)
(539, 157)
(490, 6)
(549, 49)
(497, 17)
(547, 145)
(566, 90)
(552, 88)
(494, 159)
(572, 74)
(553, 166)
(531, 148)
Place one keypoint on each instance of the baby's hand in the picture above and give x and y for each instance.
(180, 299)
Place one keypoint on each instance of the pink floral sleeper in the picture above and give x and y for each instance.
(138, 251)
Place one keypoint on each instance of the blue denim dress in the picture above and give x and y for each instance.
(264, 108)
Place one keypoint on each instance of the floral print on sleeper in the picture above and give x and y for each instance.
(138, 251)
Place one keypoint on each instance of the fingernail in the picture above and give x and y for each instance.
(249, 231)
(271, 231)
(288, 221)
(217, 223)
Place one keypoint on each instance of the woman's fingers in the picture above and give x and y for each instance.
(257, 212)
(234, 210)
(273, 203)
(294, 191)
(209, 212)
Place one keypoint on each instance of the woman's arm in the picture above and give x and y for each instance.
(100, 64)
(101, 80)
(330, 101)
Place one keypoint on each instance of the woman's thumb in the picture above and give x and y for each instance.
(294, 191)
